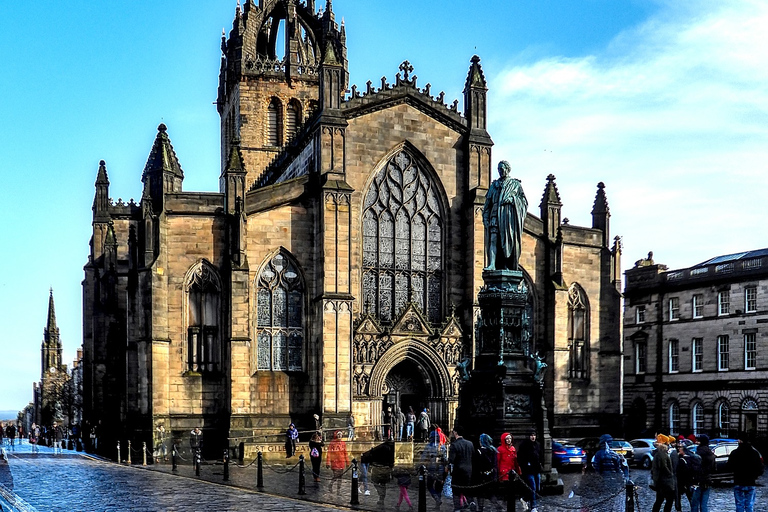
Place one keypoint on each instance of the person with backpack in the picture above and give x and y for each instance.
(689, 473)
(746, 466)
(700, 496)
(316, 454)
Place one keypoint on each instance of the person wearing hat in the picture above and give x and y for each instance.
(337, 460)
(689, 473)
(607, 461)
(746, 465)
(663, 480)
(700, 496)
(529, 458)
(291, 435)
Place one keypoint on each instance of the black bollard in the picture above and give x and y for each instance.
(302, 484)
(630, 504)
(226, 464)
(260, 471)
(511, 496)
(422, 488)
(198, 462)
(174, 467)
(355, 500)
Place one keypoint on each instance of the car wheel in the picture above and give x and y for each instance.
(646, 463)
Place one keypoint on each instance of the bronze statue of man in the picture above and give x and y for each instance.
(503, 217)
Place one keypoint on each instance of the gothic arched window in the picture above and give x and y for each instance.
(279, 316)
(203, 290)
(578, 333)
(402, 241)
(274, 122)
(292, 118)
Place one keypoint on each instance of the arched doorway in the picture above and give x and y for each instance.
(404, 387)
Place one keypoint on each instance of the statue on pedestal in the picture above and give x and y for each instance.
(503, 218)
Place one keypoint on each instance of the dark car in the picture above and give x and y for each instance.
(590, 445)
(567, 455)
(721, 452)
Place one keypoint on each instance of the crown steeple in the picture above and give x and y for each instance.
(51, 349)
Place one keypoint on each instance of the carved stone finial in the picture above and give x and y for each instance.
(407, 69)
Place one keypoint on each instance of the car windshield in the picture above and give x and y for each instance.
(620, 444)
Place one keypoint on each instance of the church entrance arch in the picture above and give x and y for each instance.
(411, 373)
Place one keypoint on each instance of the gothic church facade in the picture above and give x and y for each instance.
(336, 271)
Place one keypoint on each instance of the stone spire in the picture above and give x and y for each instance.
(551, 207)
(162, 172)
(601, 214)
(51, 349)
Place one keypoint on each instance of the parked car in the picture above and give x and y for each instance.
(643, 452)
(623, 447)
(567, 455)
(722, 451)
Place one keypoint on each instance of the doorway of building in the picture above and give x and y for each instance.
(405, 388)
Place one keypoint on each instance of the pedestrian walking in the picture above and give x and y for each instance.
(410, 423)
(529, 458)
(434, 458)
(58, 437)
(400, 424)
(291, 435)
(34, 437)
(507, 457)
(316, 454)
(689, 474)
(161, 450)
(662, 477)
(380, 460)
(608, 462)
(2, 433)
(746, 466)
(423, 424)
(675, 459)
(196, 442)
(485, 472)
(700, 496)
(350, 427)
(460, 458)
(403, 483)
(338, 459)
(10, 431)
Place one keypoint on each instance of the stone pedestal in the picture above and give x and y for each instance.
(504, 391)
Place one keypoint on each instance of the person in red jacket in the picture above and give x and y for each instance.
(507, 457)
(338, 460)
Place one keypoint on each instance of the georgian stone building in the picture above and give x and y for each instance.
(692, 341)
(337, 269)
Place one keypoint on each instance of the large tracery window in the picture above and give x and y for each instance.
(402, 241)
(279, 316)
(578, 333)
(203, 304)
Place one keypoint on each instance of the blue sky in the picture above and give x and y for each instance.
(664, 101)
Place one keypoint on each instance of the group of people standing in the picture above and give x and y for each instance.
(400, 426)
(482, 473)
(684, 467)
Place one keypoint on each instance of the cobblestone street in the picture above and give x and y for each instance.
(74, 482)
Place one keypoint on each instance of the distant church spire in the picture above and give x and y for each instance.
(51, 349)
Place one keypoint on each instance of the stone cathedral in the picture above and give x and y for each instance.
(337, 269)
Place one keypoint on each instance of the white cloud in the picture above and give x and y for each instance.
(672, 116)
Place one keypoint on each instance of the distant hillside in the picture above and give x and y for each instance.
(8, 415)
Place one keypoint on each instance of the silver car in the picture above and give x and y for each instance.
(643, 455)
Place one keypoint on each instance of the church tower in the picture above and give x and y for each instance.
(51, 348)
(269, 81)
(53, 374)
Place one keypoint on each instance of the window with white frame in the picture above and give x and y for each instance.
(698, 306)
(674, 308)
(641, 356)
(674, 356)
(697, 419)
(723, 352)
(723, 419)
(697, 354)
(674, 418)
(724, 302)
(750, 299)
(750, 351)
(640, 314)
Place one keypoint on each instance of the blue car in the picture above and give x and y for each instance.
(567, 455)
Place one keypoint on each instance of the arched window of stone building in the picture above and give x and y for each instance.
(292, 118)
(402, 240)
(274, 122)
(578, 333)
(203, 289)
(697, 418)
(674, 417)
(723, 419)
(279, 315)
